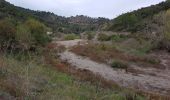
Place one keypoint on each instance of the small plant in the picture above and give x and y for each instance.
(119, 64)
(153, 61)
(71, 37)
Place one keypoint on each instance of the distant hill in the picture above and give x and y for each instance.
(75, 24)
(142, 20)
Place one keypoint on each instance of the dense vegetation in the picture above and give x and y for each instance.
(30, 34)
(25, 68)
(150, 23)
(104, 37)
(135, 21)
(76, 24)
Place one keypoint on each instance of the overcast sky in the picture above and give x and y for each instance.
(92, 8)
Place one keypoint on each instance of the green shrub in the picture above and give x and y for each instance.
(23, 35)
(119, 64)
(166, 41)
(38, 31)
(103, 37)
(19, 36)
(90, 35)
(71, 37)
(167, 25)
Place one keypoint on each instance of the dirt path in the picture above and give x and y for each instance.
(159, 83)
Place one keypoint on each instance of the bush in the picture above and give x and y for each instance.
(23, 35)
(119, 64)
(7, 29)
(103, 37)
(71, 37)
(90, 35)
(167, 30)
(31, 34)
(38, 31)
(7, 33)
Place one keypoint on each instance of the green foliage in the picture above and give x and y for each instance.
(167, 25)
(76, 24)
(24, 36)
(133, 21)
(115, 38)
(125, 21)
(118, 38)
(103, 37)
(167, 30)
(119, 64)
(138, 47)
(90, 35)
(71, 37)
(28, 79)
(35, 26)
(38, 31)
(166, 39)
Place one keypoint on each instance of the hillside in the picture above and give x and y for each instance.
(141, 19)
(81, 60)
(57, 23)
(150, 23)
(30, 68)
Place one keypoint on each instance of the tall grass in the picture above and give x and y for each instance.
(166, 40)
(33, 79)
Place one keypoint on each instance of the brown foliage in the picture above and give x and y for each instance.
(105, 53)
(86, 75)
(7, 29)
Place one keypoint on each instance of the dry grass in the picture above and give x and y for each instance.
(105, 53)
(32, 80)
(85, 75)
(46, 77)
